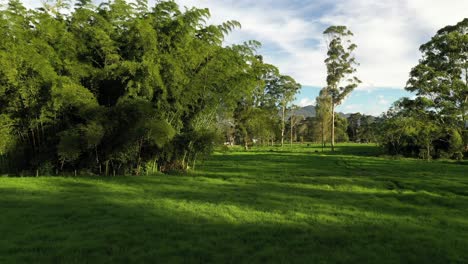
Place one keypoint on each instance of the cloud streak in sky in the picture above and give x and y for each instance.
(388, 33)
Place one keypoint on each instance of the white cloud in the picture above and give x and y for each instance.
(306, 101)
(352, 107)
(375, 109)
(285, 33)
(382, 100)
(388, 33)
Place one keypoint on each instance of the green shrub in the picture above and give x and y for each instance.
(458, 156)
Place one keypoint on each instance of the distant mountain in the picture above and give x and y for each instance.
(309, 111)
(306, 111)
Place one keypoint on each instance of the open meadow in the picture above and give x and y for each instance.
(269, 205)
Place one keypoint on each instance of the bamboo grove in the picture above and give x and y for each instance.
(121, 88)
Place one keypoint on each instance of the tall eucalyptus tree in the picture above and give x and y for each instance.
(341, 65)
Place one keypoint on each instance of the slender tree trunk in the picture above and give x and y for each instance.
(154, 166)
(463, 115)
(295, 136)
(283, 124)
(428, 147)
(464, 109)
(140, 146)
(291, 139)
(183, 160)
(42, 129)
(33, 139)
(333, 128)
(97, 155)
(107, 168)
(194, 161)
(323, 135)
(38, 134)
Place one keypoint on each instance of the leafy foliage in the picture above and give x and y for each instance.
(434, 124)
(340, 64)
(111, 88)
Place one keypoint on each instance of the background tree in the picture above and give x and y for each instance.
(441, 77)
(257, 113)
(324, 114)
(411, 128)
(361, 128)
(340, 66)
(354, 124)
(294, 121)
(341, 125)
(367, 129)
(308, 129)
(284, 88)
(433, 124)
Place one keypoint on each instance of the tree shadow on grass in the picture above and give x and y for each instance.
(115, 220)
(273, 196)
(282, 166)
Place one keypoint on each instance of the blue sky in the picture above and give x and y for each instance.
(388, 34)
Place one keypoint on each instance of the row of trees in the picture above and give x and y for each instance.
(355, 127)
(256, 115)
(433, 124)
(301, 125)
(122, 88)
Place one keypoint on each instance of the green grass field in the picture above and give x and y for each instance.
(268, 205)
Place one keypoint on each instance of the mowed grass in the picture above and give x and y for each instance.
(267, 205)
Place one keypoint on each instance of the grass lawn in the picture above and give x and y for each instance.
(290, 205)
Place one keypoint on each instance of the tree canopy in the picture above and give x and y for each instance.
(341, 65)
(434, 123)
(117, 88)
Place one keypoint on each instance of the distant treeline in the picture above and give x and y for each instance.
(433, 124)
